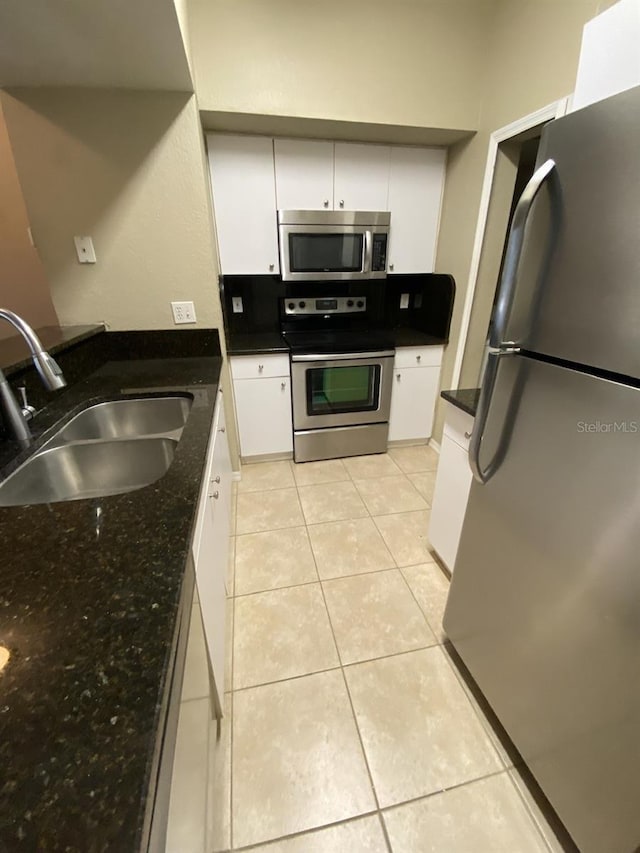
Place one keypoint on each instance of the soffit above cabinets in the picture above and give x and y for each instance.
(314, 128)
(99, 44)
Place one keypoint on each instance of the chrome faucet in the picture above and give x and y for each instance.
(15, 416)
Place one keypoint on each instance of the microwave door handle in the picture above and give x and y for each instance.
(368, 251)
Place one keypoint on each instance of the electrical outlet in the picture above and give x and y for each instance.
(236, 303)
(183, 312)
(404, 300)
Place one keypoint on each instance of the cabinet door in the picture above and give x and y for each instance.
(416, 182)
(211, 552)
(221, 471)
(413, 402)
(244, 201)
(450, 496)
(263, 409)
(361, 176)
(304, 174)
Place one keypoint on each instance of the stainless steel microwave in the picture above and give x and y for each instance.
(332, 245)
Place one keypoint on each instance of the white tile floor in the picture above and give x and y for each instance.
(348, 727)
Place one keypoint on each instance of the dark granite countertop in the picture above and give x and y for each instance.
(263, 343)
(463, 398)
(256, 343)
(89, 597)
(14, 352)
(405, 337)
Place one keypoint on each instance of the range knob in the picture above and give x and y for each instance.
(349, 303)
(291, 306)
(301, 304)
(360, 303)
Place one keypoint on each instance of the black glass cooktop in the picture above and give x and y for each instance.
(344, 340)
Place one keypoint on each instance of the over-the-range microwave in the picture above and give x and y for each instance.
(332, 245)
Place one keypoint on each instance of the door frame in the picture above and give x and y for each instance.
(551, 111)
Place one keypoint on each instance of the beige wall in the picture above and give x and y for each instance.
(127, 169)
(23, 284)
(531, 60)
(407, 62)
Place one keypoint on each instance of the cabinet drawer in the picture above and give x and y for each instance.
(258, 366)
(418, 356)
(458, 426)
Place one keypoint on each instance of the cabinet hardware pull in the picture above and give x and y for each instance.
(468, 435)
(341, 202)
(418, 357)
(216, 479)
(326, 202)
(283, 385)
(260, 367)
(391, 267)
(398, 376)
(215, 495)
(223, 429)
(272, 267)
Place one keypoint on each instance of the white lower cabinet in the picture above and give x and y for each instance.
(197, 748)
(262, 391)
(416, 380)
(453, 482)
(211, 548)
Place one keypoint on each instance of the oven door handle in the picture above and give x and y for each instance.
(344, 356)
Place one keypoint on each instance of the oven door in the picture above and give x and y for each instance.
(343, 389)
(324, 253)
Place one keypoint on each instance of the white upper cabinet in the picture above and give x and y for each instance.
(416, 181)
(361, 176)
(244, 201)
(304, 174)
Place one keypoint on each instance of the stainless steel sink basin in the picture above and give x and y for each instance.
(127, 419)
(107, 449)
(88, 470)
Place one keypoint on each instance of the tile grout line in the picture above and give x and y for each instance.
(304, 832)
(353, 713)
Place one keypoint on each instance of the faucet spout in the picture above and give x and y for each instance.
(47, 367)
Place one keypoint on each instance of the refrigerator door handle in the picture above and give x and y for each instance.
(482, 413)
(514, 250)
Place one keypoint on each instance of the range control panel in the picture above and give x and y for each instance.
(326, 305)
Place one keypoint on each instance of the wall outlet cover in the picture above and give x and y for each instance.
(84, 250)
(404, 300)
(236, 303)
(183, 312)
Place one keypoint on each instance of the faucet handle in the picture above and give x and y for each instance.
(27, 410)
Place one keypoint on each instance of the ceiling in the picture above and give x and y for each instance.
(129, 44)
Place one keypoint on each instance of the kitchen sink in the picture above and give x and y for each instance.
(127, 419)
(88, 470)
(108, 449)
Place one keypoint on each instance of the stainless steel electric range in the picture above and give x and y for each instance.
(341, 374)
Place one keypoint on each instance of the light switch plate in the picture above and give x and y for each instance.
(404, 300)
(84, 250)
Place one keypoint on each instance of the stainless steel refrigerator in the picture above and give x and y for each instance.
(544, 606)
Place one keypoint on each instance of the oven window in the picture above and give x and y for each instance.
(325, 252)
(332, 390)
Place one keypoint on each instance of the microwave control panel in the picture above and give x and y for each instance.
(379, 253)
(325, 305)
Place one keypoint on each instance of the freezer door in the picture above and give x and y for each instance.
(544, 606)
(578, 281)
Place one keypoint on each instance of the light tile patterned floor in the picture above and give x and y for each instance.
(348, 728)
